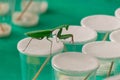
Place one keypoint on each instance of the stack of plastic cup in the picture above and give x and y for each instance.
(114, 37)
(29, 13)
(103, 24)
(27, 20)
(81, 35)
(6, 10)
(74, 66)
(34, 55)
(108, 54)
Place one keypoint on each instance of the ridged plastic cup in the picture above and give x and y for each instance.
(74, 66)
(35, 55)
(102, 24)
(81, 36)
(107, 54)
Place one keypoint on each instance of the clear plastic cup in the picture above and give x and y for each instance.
(117, 13)
(6, 10)
(27, 20)
(81, 35)
(116, 77)
(36, 7)
(115, 36)
(74, 66)
(23, 17)
(102, 24)
(35, 55)
(108, 55)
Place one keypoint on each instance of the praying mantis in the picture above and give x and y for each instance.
(40, 34)
(48, 33)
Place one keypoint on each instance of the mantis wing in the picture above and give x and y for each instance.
(39, 34)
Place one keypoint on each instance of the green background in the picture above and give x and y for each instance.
(59, 12)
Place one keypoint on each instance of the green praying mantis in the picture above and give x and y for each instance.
(48, 33)
(40, 34)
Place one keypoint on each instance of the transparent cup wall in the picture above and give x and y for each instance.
(73, 47)
(61, 75)
(117, 67)
(101, 36)
(105, 65)
(30, 65)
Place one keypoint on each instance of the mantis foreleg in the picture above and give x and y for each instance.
(64, 36)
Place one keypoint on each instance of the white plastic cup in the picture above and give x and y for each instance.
(27, 20)
(117, 13)
(34, 56)
(115, 36)
(36, 7)
(81, 35)
(102, 24)
(74, 66)
(5, 30)
(6, 10)
(108, 53)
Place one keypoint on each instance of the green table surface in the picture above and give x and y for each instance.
(59, 12)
